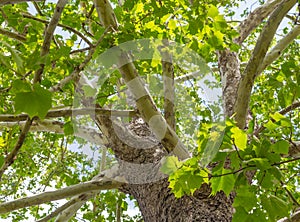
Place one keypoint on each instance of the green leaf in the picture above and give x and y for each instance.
(223, 183)
(245, 198)
(270, 125)
(276, 208)
(239, 137)
(20, 86)
(281, 147)
(68, 128)
(212, 11)
(261, 163)
(170, 165)
(34, 103)
(277, 116)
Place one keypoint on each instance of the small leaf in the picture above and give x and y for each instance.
(270, 125)
(212, 11)
(68, 128)
(170, 165)
(281, 147)
(277, 116)
(239, 137)
(172, 24)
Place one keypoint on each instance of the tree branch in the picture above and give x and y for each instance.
(76, 72)
(13, 35)
(169, 89)
(25, 15)
(277, 50)
(49, 35)
(282, 112)
(255, 18)
(259, 52)
(9, 159)
(102, 184)
(144, 101)
(7, 2)
(65, 112)
(88, 134)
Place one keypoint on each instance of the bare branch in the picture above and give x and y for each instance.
(74, 207)
(255, 18)
(80, 198)
(9, 159)
(277, 50)
(102, 184)
(259, 52)
(7, 2)
(88, 134)
(13, 35)
(65, 112)
(49, 35)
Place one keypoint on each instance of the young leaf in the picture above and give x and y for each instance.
(239, 137)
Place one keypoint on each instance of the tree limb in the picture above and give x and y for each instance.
(65, 112)
(76, 72)
(49, 34)
(277, 50)
(9, 159)
(88, 134)
(26, 15)
(255, 18)
(13, 35)
(169, 89)
(144, 101)
(259, 52)
(7, 2)
(103, 183)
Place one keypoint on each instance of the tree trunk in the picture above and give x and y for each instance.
(157, 203)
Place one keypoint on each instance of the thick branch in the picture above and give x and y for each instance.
(102, 184)
(169, 89)
(13, 35)
(255, 18)
(49, 34)
(7, 2)
(277, 50)
(145, 104)
(259, 52)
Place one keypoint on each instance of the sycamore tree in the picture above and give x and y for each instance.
(189, 109)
